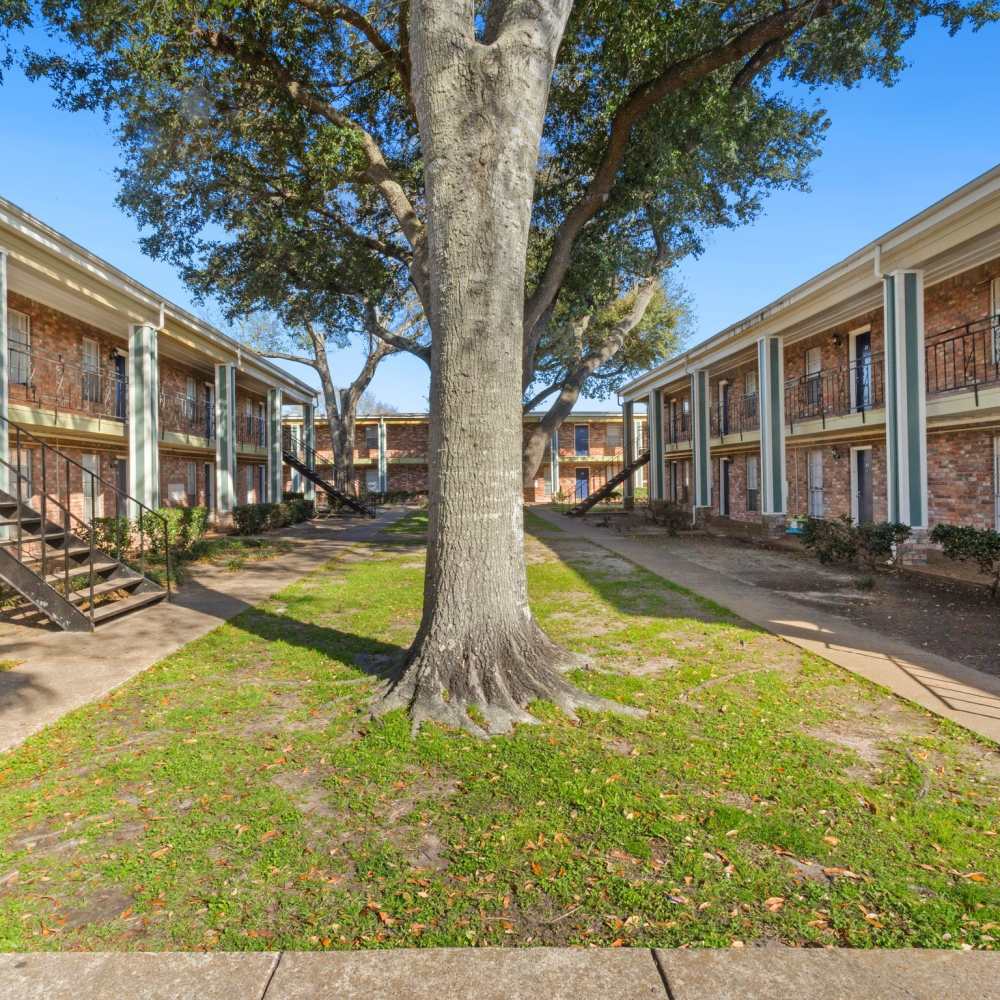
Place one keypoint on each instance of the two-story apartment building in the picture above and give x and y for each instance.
(390, 453)
(873, 389)
(140, 397)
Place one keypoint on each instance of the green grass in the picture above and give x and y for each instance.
(235, 796)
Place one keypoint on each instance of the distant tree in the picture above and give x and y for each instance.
(500, 157)
(370, 405)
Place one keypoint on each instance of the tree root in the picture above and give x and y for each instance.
(486, 693)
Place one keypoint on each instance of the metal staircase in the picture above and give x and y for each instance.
(302, 458)
(49, 554)
(609, 487)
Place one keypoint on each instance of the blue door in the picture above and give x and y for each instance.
(863, 388)
(582, 484)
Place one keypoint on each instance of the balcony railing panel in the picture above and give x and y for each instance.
(36, 378)
(251, 430)
(965, 357)
(186, 414)
(836, 392)
(736, 415)
(678, 428)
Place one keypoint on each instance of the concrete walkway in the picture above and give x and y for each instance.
(506, 974)
(942, 686)
(59, 671)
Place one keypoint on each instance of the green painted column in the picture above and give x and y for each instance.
(655, 416)
(628, 449)
(771, 403)
(143, 415)
(225, 439)
(905, 398)
(309, 440)
(383, 461)
(700, 437)
(4, 385)
(275, 463)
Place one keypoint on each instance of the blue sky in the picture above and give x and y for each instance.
(888, 154)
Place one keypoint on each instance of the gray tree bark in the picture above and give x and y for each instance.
(480, 107)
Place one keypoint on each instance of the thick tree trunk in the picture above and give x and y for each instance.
(480, 109)
(343, 445)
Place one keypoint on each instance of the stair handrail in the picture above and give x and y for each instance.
(6, 425)
(308, 457)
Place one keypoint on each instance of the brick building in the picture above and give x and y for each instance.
(873, 389)
(390, 453)
(157, 404)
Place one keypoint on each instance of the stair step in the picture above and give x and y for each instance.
(108, 587)
(99, 567)
(34, 537)
(25, 519)
(116, 608)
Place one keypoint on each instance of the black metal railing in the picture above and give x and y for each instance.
(833, 392)
(735, 415)
(251, 430)
(324, 468)
(964, 357)
(186, 414)
(678, 428)
(51, 381)
(54, 487)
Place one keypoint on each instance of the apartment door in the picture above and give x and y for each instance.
(93, 505)
(209, 408)
(582, 484)
(209, 479)
(121, 387)
(814, 483)
(996, 483)
(723, 408)
(814, 384)
(864, 496)
(863, 370)
(724, 486)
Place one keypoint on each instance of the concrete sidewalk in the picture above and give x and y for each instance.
(773, 973)
(942, 686)
(60, 671)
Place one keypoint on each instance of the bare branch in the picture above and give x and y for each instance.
(299, 359)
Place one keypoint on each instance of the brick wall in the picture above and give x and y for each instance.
(837, 498)
(175, 414)
(960, 479)
(174, 472)
(407, 478)
(253, 495)
(600, 446)
(738, 510)
(959, 300)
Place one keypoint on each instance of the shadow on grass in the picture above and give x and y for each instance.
(368, 655)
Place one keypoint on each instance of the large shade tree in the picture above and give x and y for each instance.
(450, 132)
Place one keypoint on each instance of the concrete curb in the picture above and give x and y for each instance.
(770, 973)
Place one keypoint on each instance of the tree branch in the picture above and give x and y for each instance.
(633, 109)
(299, 359)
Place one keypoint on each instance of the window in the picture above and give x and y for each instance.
(92, 506)
(91, 371)
(750, 396)
(581, 439)
(19, 347)
(192, 483)
(248, 480)
(814, 483)
(371, 437)
(614, 436)
(190, 398)
(672, 422)
(753, 483)
(371, 480)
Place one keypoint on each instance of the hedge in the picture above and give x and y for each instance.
(842, 541)
(978, 545)
(253, 518)
(185, 527)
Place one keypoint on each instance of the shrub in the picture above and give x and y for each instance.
(250, 518)
(842, 541)
(831, 541)
(112, 534)
(185, 526)
(674, 517)
(253, 518)
(879, 544)
(979, 545)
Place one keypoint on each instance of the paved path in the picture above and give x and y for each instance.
(773, 973)
(59, 671)
(940, 685)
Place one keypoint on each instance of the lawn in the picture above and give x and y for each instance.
(235, 796)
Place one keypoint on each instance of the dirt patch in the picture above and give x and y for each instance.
(647, 668)
(584, 625)
(307, 792)
(100, 908)
(865, 745)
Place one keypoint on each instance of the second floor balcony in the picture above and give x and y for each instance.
(251, 430)
(185, 414)
(836, 392)
(735, 415)
(50, 381)
(965, 357)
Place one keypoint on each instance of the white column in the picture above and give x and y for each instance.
(225, 439)
(628, 450)
(905, 398)
(771, 403)
(383, 462)
(143, 415)
(275, 464)
(700, 438)
(654, 414)
(309, 440)
(554, 463)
